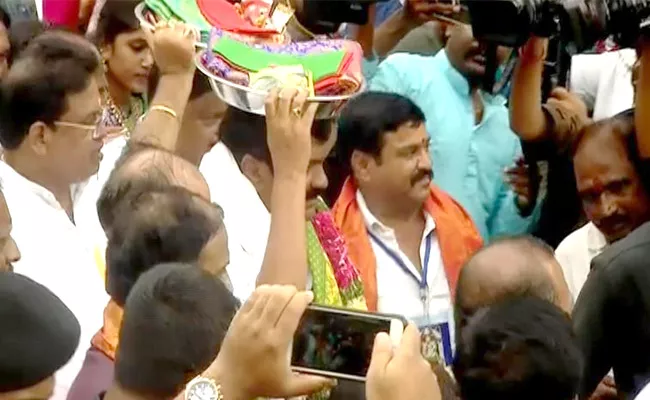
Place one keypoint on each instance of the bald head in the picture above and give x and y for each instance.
(510, 267)
(142, 170)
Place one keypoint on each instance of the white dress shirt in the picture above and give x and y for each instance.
(246, 218)
(604, 81)
(58, 255)
(575, 254)
(398, 291)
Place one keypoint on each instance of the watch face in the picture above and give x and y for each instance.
(203, 390)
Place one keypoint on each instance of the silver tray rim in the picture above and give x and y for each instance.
(318, 99)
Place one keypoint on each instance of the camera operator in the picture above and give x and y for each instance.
(548, 129)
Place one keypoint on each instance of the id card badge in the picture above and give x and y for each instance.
(436, 339)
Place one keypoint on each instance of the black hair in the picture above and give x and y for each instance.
(22, 33)
(623, 127)
(530, 256)
(5, 18)
(53, 66)
(124, 183)
(521, 348)
(200, 84)
(367, 118)
(245, 133)
(116, 17)
(169, 225)
(175, 320)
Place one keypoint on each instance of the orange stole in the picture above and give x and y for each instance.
(457, 236)
(107, 339)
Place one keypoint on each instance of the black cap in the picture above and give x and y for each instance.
(38, 333)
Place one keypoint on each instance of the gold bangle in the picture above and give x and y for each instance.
(164, 109)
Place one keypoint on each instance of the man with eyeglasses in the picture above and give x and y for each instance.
(52, 135)
(49, 121)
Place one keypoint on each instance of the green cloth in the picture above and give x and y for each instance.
(251, 59)
(184, 10)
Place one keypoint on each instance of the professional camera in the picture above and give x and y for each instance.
(578, 23)
(326, 16)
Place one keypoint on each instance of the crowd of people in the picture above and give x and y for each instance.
(156, 242)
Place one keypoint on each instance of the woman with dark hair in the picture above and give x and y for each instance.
(127, 62)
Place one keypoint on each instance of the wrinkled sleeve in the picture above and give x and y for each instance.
(392, 76)
(505, 220)
(589, 324)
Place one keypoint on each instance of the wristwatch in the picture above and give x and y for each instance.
(201, 388)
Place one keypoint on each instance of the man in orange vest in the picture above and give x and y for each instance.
(407, 237)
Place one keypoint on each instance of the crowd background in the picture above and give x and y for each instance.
(158, 243)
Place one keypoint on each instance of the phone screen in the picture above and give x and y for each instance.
(336, 342)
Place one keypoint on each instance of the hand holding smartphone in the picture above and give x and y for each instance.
(338, 343)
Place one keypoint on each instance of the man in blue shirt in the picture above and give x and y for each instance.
(471, 141)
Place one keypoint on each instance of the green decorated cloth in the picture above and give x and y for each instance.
(183, 10)
(247, 58)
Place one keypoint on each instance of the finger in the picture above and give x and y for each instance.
(285, 99)
(560, 93)
(301, 385)
(250, 303)
(299, 101)
(264, 292)
(411, 344)
(290, 317)
(277, 301)
(270, 104)
(382, 353)
(310, 112)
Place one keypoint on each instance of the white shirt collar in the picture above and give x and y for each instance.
(596, 241)
(378, 228)
(12, 178)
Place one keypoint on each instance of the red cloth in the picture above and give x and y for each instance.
(457, 236)
(222, 14)
(62, 12)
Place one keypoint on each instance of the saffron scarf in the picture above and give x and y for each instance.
(458, 237)
(107, 338)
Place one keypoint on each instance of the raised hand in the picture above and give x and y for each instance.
(254, 360)
(424, 10)
(172, 44)
(400, 373)
(289, 118)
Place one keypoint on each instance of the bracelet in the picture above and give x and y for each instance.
(164, 109)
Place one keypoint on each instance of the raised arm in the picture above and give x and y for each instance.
(527, 117)
(288, 122)
(173, 51)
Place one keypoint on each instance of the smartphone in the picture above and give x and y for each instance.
(338, 343)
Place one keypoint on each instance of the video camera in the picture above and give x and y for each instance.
(579, 23)
(326, 16)
(572, 25)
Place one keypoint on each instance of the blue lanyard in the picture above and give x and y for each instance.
(422, 280)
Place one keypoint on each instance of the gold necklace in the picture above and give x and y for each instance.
(116, 115)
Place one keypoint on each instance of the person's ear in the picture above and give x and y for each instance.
(361, 163)
(255, 170)
(38, 137)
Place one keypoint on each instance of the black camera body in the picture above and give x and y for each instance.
(326, 16)
(578, 23)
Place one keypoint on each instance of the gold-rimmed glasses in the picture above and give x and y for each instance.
(98, 130)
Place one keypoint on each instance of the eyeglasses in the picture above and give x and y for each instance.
(98, 130)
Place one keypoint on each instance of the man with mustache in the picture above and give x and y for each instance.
(407, 237)
(610, 185)
(471, 140)
(330, 275)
